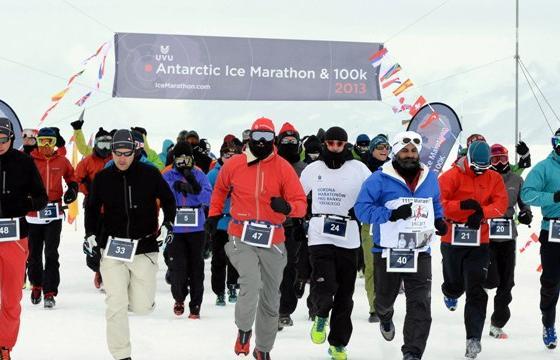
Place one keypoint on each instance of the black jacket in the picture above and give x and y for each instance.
(129, 201)
(21, 187)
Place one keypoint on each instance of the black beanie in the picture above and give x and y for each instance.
(123, 139)
(101, 132)
(557, 133)
(312, 145)
(6, 126)
(336, 133)
(182, 148)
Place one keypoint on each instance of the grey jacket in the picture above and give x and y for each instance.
(513, 184)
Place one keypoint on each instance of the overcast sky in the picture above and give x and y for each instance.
(54, 36)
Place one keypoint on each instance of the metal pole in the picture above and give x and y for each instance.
(516, 75)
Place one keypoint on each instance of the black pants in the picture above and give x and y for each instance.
(288, 298)
(333, 277)
(187, 267)
(464, 271)
(417, 288)
(500, 275)
(223, 273)
(47, 237)
(550, 279)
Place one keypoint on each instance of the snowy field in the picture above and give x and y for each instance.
(75, 329)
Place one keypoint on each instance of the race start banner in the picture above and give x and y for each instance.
(229, 68)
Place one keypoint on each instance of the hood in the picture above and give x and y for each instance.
(463, 166)
(165, 145)
(389, 171)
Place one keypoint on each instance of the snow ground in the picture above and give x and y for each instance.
(76, 327)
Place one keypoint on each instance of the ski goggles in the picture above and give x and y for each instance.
(555, 141)
(289, 140)
(499, 159)
(336, 143)
(118, 153)
(362, 148)
(49, 141)
(28, 133)
(262, 136)
(184, 161)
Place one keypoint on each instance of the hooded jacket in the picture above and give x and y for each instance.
(200, 201)
(226, 217)
(461, 183)
(86, 170)
(251, 185)
(540, 185)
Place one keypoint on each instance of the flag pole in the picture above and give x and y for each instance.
(516, 76)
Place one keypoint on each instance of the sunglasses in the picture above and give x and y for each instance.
(335, 143)
(228, 155)
(123, 153)
(46, 141)
(499, 159)
(383, 147)
(262, 135)
(4, 140)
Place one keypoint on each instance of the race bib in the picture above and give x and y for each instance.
(121, 249)
(554, 231)
(501, 229)
(334, 226)
(186, 217)
(50, 212)
(464, 236)
(403, 261)
(9, 229)
(255, 234)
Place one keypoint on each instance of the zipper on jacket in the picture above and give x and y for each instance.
(3, 182)
(257, 187)
(48, 177)
(126, 208)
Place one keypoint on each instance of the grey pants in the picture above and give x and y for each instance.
(260, 274)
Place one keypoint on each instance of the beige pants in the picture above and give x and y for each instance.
(129, 287)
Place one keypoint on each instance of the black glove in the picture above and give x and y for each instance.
(525, 217)
(441, 227)
(140, 130)
(402, 212)
(191, 179)
(470, 204)
(182, 187)
(522, 149)
(211, 225)
(72, 193)
(280, 205)
(170, 236)
(557, 196)
(77, 125)
(474, 220)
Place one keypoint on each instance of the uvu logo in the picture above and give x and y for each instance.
(164, 54)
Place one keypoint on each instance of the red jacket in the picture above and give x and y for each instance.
(252, 187)
(52, 171)
(87, 168)
(461, 183)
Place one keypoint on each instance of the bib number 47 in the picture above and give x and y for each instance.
(257, 235)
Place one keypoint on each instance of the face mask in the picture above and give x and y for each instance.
(183, 162)
(289, 152)
(334, 160)
(102, 153)
(261, 149)
(313, 156)
(501, 167)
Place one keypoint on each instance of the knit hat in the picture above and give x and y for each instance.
(44, 132)
(193, 134)
(123, 139)
(263, 124)
(402, 139)
(378, 140)
(336, 133)
(312, 145)
(182, 148)
(234, 145)
(101, 132)
(288, 129)
(362, 140)
(6, 127)
(478, 154)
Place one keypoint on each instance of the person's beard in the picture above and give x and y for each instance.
(409, 164)
(261, 149)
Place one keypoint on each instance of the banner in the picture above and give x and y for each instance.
(230, 68)
(440, 127)
(7, 112)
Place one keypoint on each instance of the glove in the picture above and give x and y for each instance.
(90, 245)
(474, 220)
(441, 227)
(72, 193)
(522, 149)
(182, 187)
(402, 212)
(557, 196)
(77, 125)
(280, 205)
(525, 217)
(470, 204)
(191, 179)
(169, 236)
(211, 225)
(140, 130)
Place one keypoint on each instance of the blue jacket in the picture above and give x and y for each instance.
(212, 176)
(386, 185)
(541, 184)
(164, 149)
(201, 200)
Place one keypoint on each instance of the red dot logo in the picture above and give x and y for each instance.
(148, 68)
